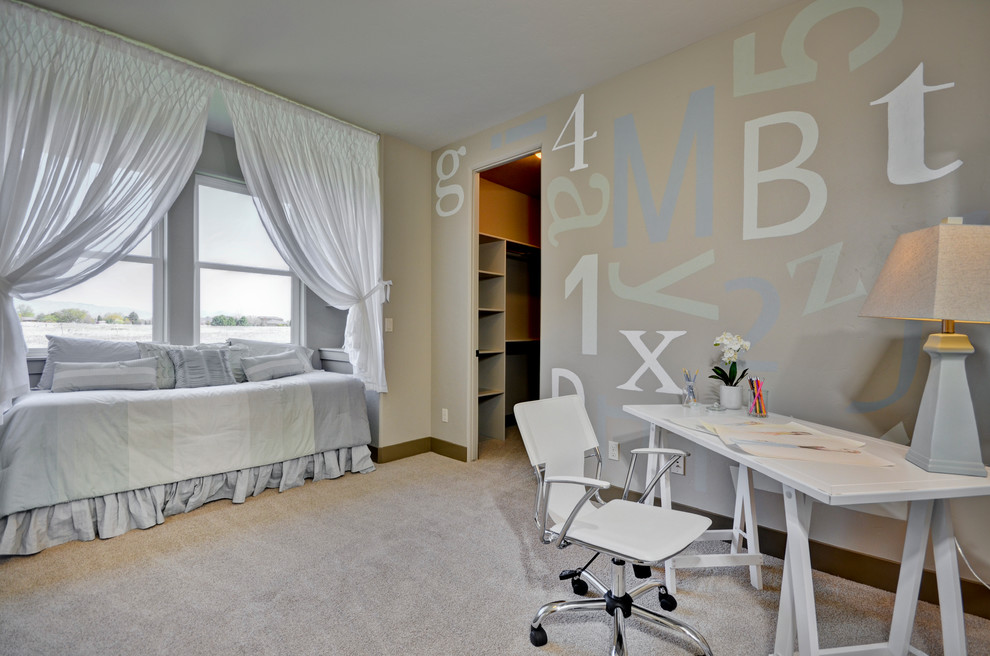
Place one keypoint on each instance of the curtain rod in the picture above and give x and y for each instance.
(187, 62)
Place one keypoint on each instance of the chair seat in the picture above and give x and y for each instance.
(660, 532)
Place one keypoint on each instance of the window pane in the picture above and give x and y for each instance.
(259, 306)
(143, 247)
(117, 305)
(230, 231)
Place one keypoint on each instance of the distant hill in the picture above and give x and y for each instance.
(41, 306)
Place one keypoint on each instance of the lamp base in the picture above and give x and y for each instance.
(945, 437)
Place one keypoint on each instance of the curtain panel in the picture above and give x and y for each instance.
(98, 136)
(315, 184)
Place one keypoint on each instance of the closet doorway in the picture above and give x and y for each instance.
(508, 293)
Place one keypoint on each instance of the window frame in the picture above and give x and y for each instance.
(296, 329)
(157, 262)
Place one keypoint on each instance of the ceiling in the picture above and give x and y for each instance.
(429, 72)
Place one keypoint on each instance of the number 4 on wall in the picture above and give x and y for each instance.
(577, 118)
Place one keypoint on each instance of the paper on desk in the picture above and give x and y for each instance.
(707, 425)
(795, 441)
(767, 440)
(791, 434)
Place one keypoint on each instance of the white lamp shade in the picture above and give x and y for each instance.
(941, 272)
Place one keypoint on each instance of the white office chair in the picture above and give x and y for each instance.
(558, 436)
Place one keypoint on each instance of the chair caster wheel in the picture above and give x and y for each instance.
(579, 586)
(667, 601)
(538, 636)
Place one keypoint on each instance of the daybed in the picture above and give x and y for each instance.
(78, 465)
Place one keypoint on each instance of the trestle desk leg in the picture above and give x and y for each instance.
(947, 574)
(797, 564)
(744, 524)
(909, 578)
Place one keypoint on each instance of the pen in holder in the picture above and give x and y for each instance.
(690, 398)
(757, 398)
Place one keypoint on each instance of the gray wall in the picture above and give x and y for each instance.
(673, 226)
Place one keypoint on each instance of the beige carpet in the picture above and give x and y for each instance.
(424, 556)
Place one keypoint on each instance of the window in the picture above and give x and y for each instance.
(124, 302)
(245, 288)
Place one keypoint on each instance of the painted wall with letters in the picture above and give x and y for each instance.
(753, 183)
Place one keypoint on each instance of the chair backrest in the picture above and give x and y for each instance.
(557, 433)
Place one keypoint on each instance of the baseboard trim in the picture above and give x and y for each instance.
(448, 449)
(852, 565)
(415, 447)
(399, 451)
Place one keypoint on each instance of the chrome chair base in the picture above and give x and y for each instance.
(620, 606)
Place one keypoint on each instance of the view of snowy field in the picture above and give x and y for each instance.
(35, 331)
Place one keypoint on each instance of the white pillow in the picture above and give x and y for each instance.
(77, 349)
(267, 367)
(128, 375)
(257, 347)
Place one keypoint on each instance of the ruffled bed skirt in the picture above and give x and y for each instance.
(31, 531)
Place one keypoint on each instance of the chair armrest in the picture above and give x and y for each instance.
(674, 455)
(594, 485)
(657, 449)
(580, 480)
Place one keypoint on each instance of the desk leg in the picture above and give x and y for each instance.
(797, 595)
(744, 524)
(909, 578)
(659, 438)
(947, 573)
(784, 642)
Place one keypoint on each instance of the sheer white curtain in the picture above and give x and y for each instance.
(97, 138)
(315, 182)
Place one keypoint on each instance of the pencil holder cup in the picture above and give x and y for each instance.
(758, 405)
(688, 397)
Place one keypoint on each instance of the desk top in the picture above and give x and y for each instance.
(836, 485)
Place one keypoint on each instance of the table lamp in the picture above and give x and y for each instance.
(941, 273)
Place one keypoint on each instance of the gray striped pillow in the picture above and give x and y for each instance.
(201, 368)
(126, 375)
(276, 365)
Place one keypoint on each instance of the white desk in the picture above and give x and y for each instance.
(805, 482)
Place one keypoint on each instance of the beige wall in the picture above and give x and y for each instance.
(784, 259)
(405, 409)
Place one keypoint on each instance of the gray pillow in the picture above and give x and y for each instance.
(128, 375)
(166, 370)
(257, 347)
(201, 368)
(77, 349)
(267, 367)
(234, 352)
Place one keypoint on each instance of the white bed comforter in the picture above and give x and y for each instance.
(56, 448)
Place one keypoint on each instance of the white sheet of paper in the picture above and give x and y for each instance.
(791, 441)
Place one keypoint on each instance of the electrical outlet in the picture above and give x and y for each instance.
(678, 466)
(613, 450)
(443, 414)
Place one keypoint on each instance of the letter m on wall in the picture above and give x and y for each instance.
(698, 130)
